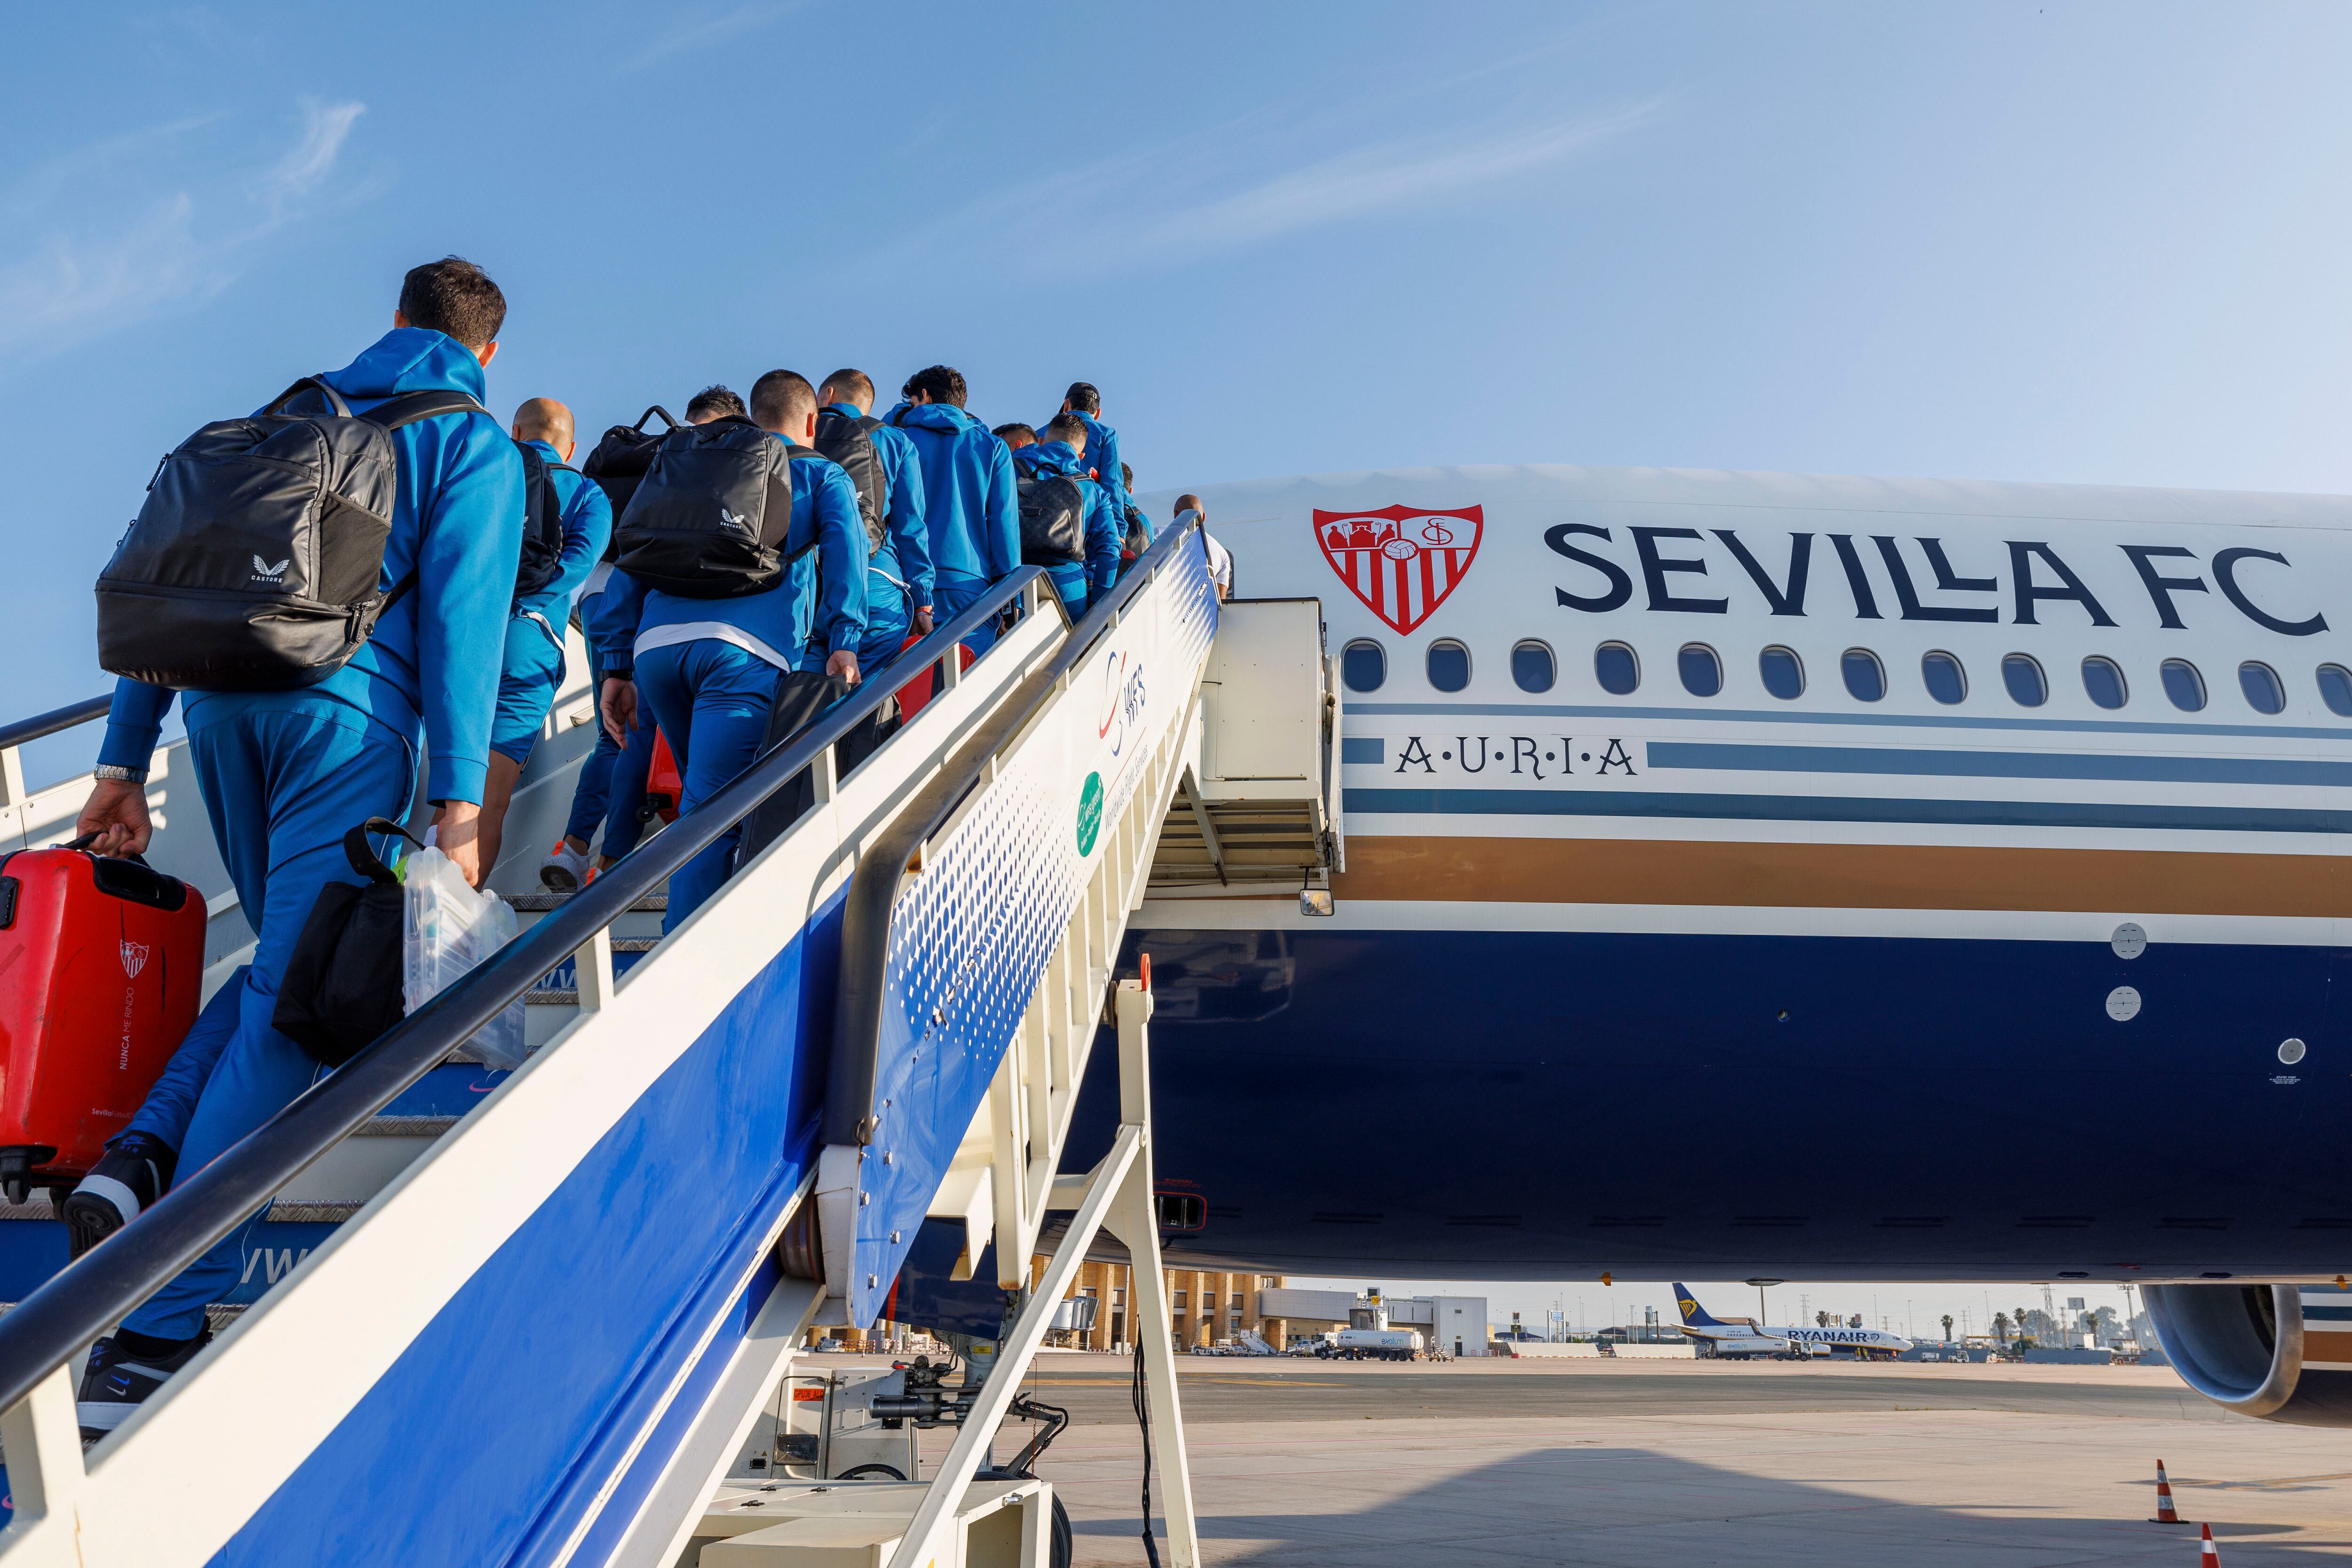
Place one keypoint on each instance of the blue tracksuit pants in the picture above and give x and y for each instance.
(951, 594)
(612, 790)
(171, 1102)
(1070, 583)
(711, 699)
(282, 788)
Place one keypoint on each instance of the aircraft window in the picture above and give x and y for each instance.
(2336, 688)
(1783, 671)
(1449, 666)
(2184, 685)
(2103, 680)
(1532, 667)
(1702, 672)
(2022, 676)
(1865, 678)
(1948, 682)
(2261, 684)
(1363, 666)
(1614, 665)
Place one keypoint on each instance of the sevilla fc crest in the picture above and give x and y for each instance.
(1401, 561)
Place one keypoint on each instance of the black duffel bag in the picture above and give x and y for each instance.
(342, 988)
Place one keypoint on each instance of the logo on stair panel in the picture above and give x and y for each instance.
(1401, 561)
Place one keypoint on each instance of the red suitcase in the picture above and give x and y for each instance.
(101, 962)
(918, 691)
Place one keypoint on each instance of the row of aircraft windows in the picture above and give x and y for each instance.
(1364, 667)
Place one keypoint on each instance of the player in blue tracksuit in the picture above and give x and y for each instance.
(532, 665)
(1102, 445)
(970, 499)
(285, 773)
(712, 669)
(612, 786)
(898, 576)
(1062, 452)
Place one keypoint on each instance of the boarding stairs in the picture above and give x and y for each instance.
(534, 1316)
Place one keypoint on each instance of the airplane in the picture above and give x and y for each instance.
(1745, 1336)
(2001, 819)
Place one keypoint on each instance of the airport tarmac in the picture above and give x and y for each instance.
(1518, 1462)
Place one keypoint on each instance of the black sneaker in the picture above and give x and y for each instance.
(128, 1177)
(123, 1372)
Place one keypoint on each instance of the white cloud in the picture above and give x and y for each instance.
(85, 271)
(714, 26)
(1403, 173)
(324, 126)
(1208, 189)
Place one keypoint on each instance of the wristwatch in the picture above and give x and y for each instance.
(127, 776)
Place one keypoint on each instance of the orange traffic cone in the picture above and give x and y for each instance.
(2206, 1556)
(2164, 1513)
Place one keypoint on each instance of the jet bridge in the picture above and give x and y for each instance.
(535, 1314)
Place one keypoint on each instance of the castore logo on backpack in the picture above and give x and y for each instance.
(267, 572)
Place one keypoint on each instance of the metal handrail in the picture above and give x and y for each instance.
(881, 875)
(55, 720)
(58, 1320)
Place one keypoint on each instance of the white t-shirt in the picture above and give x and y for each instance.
(1221, 561)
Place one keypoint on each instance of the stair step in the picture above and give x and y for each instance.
(406, 1126)
(549, 996)
(540, 903)
(292, 1211)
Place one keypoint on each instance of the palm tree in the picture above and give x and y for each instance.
(1947, 1328)
(2000, 1328)
(1822, 1320)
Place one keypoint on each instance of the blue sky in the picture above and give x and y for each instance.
(2061, 241)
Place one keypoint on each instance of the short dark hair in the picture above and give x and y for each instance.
(1066, 428)
(855, 383)
(1126, 476)
(454, 296)
(1006, 433)
(716, 400)
(939, 382)
(1083, 397)
(781, 397)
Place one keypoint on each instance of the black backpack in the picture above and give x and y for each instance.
(1139, 534)
(850, 443)
(255, 563)
(542, 523)
(708, 520)
(1053, 521)
(618, 465)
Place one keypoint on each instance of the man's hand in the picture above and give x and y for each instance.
(921, 625)
(843, 664)
(458, 834)
(619, 706)
(117, 812)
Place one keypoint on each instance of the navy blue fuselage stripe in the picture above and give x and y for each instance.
(1842, 808)
(1363, 749)
(1728, 757)
(1802, 716)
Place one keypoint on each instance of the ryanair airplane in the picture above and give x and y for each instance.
(1714, 840)
(1745, 1336)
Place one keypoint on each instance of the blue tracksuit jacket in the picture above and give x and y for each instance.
(1079, 585)
(898, 574)
(818, 608)
(587, 526)
(1102, 456)
(433, 658)
(968, 498)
